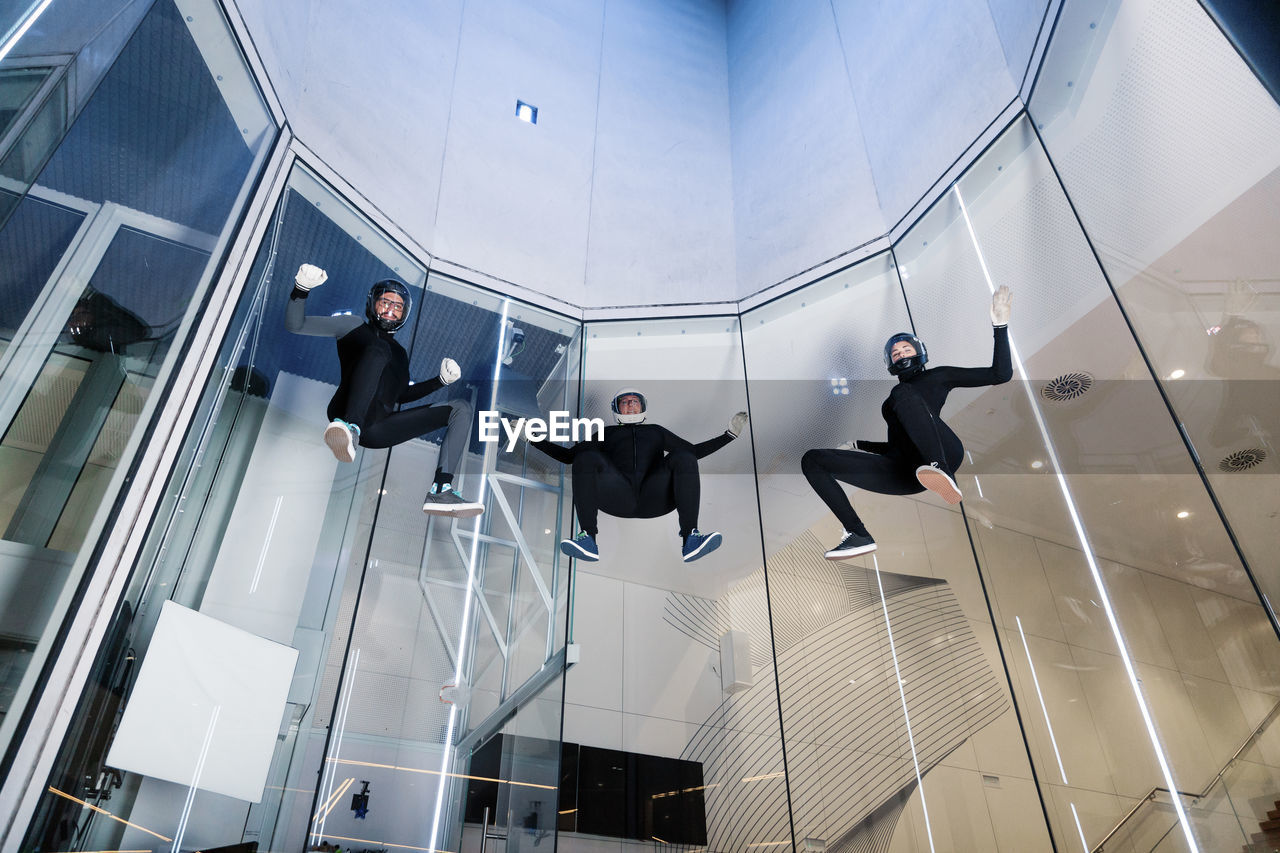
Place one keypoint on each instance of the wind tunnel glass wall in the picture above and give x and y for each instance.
(670, 719)
(1139, 652)
(897, 718)
(1174, 169)
(105, 261)
(52, 58)
(295, 624)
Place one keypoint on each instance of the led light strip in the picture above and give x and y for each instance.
(355, 763)
(104, 812)
(471, 586)
(1088, 553)
(344, 704)
(902, 694)
(22, 28)
(1044, 710)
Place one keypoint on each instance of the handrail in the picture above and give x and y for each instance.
(1150, 795)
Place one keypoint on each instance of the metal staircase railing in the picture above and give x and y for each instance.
(1100, 847)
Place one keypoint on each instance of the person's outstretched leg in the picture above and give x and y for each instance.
(676, 485)
(597, 484)
(938, 448)
(399, 427)
(350, 407)
(870, 471)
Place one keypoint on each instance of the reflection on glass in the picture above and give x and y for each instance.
(103, 275)
(1173, 169)
(890, 682)
(671, 715)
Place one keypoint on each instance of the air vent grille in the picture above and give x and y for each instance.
(1242, 460)
(1067, 387)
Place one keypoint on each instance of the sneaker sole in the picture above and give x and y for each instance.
(708, 545)
(833, 554)
(940, 484)
(571, 549)
(339, 440)
(454, 510)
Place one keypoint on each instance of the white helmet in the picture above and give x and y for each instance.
(632, 418)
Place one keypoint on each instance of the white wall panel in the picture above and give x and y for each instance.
(662, 194)
(1018, 24)
(927, 78)
(803, 190)
(514, 196)
(366, 87)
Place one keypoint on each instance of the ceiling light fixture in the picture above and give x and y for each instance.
(526, 112)
(1178, 374)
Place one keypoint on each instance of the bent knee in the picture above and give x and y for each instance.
(811, 461)
(461, 408)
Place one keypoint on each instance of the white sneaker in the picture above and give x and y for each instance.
(939, 482)
(338, 436)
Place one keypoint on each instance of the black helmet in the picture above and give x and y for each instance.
(908, 365)
(387, 285)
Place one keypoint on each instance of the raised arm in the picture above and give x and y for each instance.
(705, 448)
(295, 314)
(449, 373)
(1001, 369)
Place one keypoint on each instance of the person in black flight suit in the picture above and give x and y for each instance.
(638, 470)
(921, 451)
(375, 381)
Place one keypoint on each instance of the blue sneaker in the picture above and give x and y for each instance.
(583, 546)
(445, 500)
(699, 545)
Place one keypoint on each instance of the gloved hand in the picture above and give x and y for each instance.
(309, 276)
(449, 371)
(737, 424)
(1000, 303)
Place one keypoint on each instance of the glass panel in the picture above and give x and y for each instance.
(264, 531)
(1174, 170)
(66, 47)
(896, 644)
(671, 715)
(1136, 643)
(106, 260)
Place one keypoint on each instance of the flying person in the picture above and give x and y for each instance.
(921, 451)
(375, 381)
(638, 470)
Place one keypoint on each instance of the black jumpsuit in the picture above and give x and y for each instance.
(375, 380)
(917, 436)
(636, 471)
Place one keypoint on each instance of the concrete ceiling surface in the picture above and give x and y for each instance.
(685, 152)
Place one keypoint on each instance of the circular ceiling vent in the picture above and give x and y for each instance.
(1068, 386)
(1242, 460)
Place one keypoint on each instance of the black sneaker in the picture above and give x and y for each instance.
(446, 501)
(852, 545)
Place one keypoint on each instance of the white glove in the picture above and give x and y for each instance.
(851, 444)
(449, 371)
(1000, 303)
(309, 276)
(737, 424)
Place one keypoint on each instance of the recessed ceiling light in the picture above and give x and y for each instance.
(1184, 514)
(1178, 374)
(1037, 464)
(526, 112)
